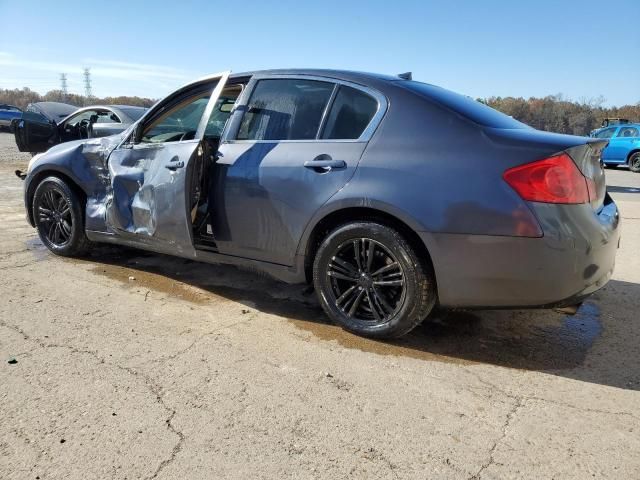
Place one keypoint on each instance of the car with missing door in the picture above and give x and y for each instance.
(389, 195)
(45, 124)
(623, 147)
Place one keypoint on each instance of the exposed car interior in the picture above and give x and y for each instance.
(204, 168)
(79, 126)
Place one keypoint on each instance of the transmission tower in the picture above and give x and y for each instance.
(63, 86)
(87, 86)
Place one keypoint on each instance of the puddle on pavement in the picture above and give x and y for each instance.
(535, 339)
(145, 271)
(524, 339)
(146, 281)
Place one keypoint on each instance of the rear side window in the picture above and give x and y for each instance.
(465, 106)
(285, 109)
(606, 133)
(628, 132)
(107, 117)
(351, 112)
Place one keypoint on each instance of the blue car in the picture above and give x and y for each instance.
(623, 147)
(7, 114)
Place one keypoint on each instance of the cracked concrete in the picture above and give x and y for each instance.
(503, 433)
(198, 371)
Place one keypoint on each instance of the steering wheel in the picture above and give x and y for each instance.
(83, 128)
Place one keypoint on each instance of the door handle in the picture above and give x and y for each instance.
(325, 165)
(174, 165)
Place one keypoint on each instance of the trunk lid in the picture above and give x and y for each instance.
(588, 159)
(586, 152)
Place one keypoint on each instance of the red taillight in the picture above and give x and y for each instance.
(552, 180)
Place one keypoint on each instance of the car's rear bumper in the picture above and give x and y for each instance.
(573, 259)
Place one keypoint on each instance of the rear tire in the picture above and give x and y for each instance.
(634, 162)
(58, 213)
(371, 282)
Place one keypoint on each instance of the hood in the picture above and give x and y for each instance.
(92, 149)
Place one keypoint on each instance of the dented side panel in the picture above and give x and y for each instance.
(148, 201)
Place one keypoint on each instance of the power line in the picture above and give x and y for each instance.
(63, 86)
(87, 85)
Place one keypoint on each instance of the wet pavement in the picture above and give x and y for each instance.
(150, 366)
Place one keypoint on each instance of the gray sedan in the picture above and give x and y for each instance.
(44, 124)
(389, 195)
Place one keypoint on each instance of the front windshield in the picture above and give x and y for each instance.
(179, 123)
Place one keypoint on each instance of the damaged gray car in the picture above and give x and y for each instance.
(389, 195)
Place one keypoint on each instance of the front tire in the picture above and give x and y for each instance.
(371, 282)
(58, 213)
(634, 162)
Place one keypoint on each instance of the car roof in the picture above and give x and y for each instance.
(127, 106)
(118, 109)
(622, 125)
(320, 72)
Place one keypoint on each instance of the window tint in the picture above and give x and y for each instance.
(628, 132)
(465, 106)
(287, 109)
(606, 133)
(351, 112)
(179, 123)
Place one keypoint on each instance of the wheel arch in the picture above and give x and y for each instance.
(333, 219)
(41, 175)
(631, 153)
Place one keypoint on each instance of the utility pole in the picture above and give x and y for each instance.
(63, 86)
(87, 85)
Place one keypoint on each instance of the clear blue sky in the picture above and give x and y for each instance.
(580, 48)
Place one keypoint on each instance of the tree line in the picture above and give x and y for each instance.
(21, 97)
(553, 113)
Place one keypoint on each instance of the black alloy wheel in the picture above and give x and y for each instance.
(54, 213)
(370, 280)
(58, 213)
(367, 280)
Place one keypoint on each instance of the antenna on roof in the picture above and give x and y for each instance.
(405, 76)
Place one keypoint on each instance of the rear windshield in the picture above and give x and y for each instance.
(465, 106)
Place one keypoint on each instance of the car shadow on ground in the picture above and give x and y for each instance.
(540, 340)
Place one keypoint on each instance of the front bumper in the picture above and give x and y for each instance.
(573, 259)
